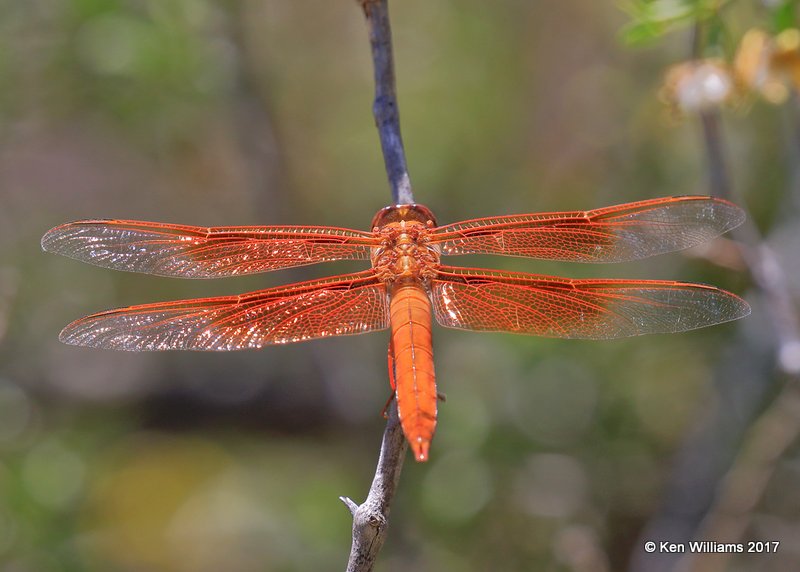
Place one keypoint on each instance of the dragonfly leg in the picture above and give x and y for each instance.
(392, 381)
(385, 410)
(390, 359)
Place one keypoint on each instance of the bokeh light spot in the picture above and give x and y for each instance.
(556, 404)
(111, 44)
(552, 486)
(53, 474)
(457, 487)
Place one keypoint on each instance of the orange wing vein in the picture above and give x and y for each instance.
(613, 234)
(336, 306)
(476, 299)
(196, 252)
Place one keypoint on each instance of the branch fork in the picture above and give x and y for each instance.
(370, 519)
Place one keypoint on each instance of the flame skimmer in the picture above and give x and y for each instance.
(406, 285)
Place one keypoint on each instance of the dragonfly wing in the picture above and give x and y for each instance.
(196, 252)
(613, 234)
(475, 299)
(336, 306)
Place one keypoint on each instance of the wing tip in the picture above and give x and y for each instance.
(736, 215)
(83, 332)
(51, 238)
(67, 337)
(77, 334)
(724, 216)
(70, 334)
(742, 310)
(727, 307)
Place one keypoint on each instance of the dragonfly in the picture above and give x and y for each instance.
(407, 285)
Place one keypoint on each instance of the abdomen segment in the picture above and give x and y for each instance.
(413, 361)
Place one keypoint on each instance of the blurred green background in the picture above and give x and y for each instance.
(550, 455)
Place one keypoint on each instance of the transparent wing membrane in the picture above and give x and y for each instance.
(613, 234)
(195, 252)
(475, 299)
(338, 306)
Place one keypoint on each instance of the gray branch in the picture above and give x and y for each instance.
(371, 518)
(385, 110)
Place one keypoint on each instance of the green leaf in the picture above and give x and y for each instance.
(785, 16)
(639, 33)
(651, 19)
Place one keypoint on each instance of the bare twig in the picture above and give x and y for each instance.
(370, 519)
(387, 115)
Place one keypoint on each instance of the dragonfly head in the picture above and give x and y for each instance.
(399, 213)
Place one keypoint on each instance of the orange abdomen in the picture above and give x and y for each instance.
(413, 361)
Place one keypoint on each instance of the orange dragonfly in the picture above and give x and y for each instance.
(406, 285)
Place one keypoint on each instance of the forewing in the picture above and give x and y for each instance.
(613, 234)
(337, 306)
(475, 299)
(196, 252)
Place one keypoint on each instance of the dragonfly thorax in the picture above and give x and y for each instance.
(405, 253)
